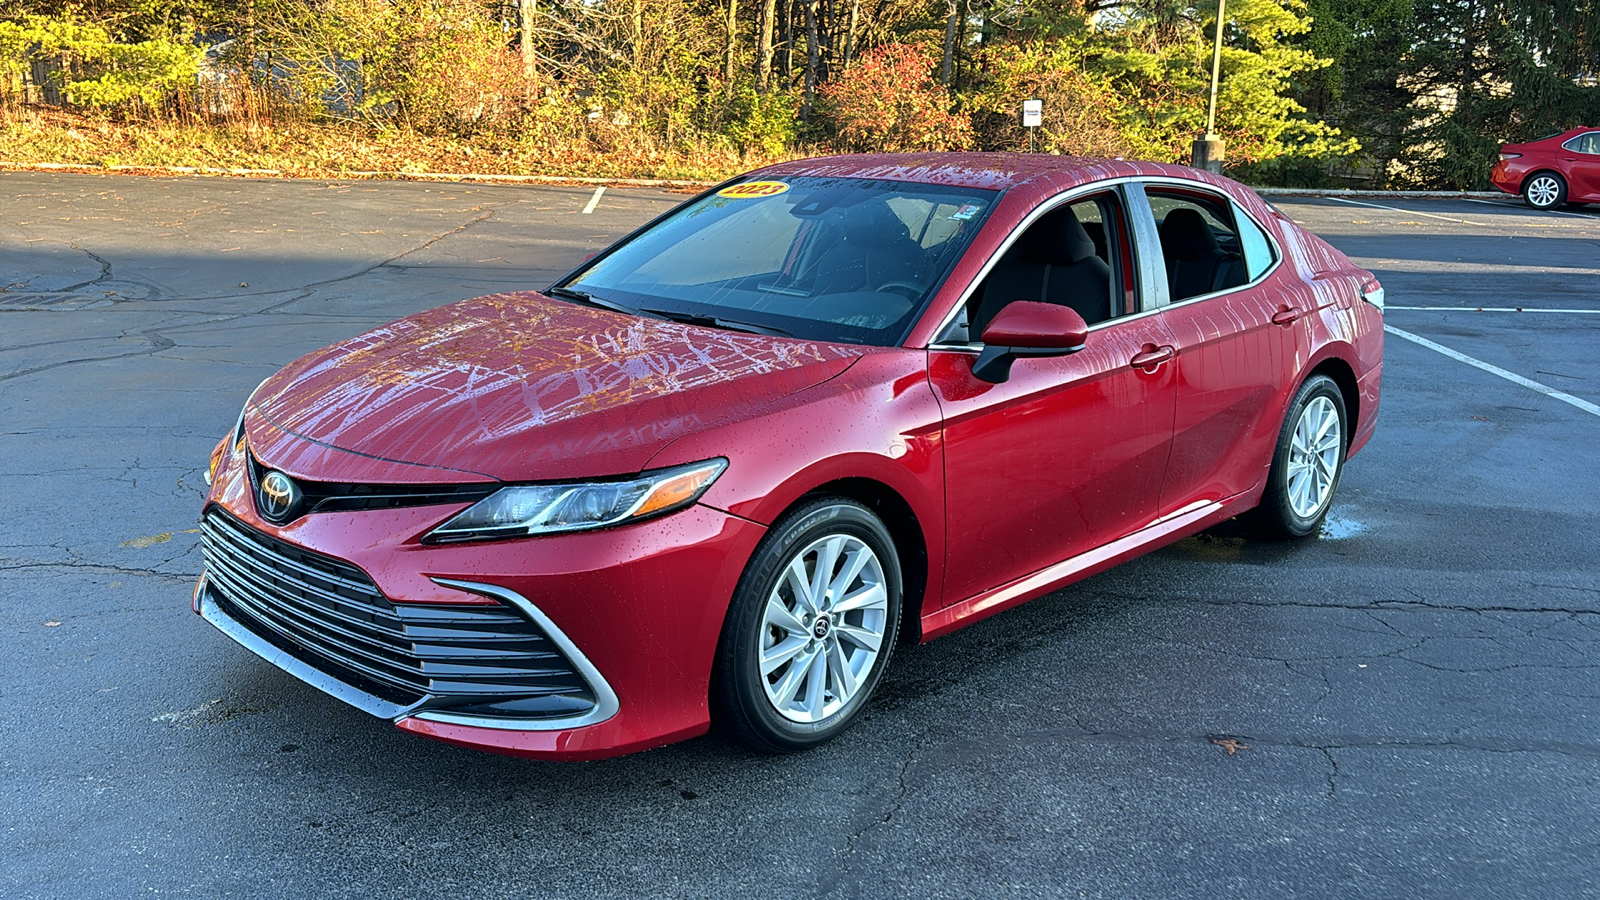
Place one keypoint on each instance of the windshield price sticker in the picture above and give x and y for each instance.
(753, 189)
(965, 212)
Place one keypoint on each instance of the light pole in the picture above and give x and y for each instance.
(1208, 151)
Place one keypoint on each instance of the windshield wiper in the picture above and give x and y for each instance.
(687, 318)
(588, 299)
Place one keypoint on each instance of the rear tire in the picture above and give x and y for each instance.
(810, 629)
(1307, 464)
(1545, 191)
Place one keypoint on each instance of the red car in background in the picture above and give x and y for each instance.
(1562, 168)
(717, 472)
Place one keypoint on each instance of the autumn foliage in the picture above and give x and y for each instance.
(889, 101)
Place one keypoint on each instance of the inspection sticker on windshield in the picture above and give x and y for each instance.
(753, 189)
(965, 212)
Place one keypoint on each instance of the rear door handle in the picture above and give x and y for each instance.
(1149, 359)
(1285, 316)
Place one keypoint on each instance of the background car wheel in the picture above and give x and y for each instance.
(1545, 190)
(1306, 467)
(811, 628)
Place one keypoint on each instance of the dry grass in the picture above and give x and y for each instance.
(328, 150)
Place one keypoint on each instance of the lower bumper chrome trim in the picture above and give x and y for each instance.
(606, 704)
(322, 681)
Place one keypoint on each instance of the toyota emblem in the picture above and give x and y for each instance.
(278, 498)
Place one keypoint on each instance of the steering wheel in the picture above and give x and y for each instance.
(912, 291)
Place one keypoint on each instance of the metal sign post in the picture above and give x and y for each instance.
(1032, 117)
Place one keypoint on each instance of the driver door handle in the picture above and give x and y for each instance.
(1286, 315)
(1149, 359)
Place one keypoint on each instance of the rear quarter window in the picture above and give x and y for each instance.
(1258, 255)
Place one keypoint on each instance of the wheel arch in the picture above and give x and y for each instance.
(911, 544)
(1522, 186)
(1344, 376)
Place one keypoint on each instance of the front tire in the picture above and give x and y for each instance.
(810, 629)
(1307, 464)
(1545, 191)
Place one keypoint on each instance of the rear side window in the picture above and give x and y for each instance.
(1258, 256)
(1585, 143)
(1201, 247)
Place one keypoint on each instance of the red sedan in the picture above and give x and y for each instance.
(716, 473)
(1562, 168)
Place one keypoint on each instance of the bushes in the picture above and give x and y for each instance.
(888, 101)
(647, 85)
(92, 69)
(1082, 111)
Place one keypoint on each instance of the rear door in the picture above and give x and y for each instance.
(1068, 453)
(1240, 342)
(1582, 157)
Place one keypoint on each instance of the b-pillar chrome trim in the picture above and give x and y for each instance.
(605, 698)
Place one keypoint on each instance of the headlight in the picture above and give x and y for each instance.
(234, 439)
(555, 508)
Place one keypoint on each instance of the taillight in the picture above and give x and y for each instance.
(1506, 156)
(1372, 292)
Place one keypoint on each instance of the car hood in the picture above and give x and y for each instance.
(520, 387)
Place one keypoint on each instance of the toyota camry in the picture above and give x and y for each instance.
(718, 472)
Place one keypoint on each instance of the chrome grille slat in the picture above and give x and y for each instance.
(334, 621)
(271, 609)
(329, 614)
(359, 584)
(299, 634)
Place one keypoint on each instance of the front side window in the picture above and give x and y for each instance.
(1076, 255)
(836, 259)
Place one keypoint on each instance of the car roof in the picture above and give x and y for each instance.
(990, 171)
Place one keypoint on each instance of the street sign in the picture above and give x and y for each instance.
(1032, 113)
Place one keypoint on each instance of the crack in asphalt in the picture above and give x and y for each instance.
(101, 569)
(835, 880)
(158, 339)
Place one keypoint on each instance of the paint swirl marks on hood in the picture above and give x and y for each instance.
(523, 387)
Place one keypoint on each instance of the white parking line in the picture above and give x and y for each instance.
(1409, 212)
(1505, 309)
(595, 200)
(1512, 377)
(1503, 204)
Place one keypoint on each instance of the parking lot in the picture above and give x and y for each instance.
(1409, 705)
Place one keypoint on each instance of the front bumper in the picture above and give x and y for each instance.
(636, 611)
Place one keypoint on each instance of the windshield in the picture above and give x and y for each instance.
(834, 259)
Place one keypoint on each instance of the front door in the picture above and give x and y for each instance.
(1069, 452)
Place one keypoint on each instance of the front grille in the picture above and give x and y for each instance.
(339, 496)
(481, 659)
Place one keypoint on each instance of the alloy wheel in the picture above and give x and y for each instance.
(823, 627)
(1314, 457)
(1543, 191)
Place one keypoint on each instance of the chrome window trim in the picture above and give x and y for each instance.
(606, 704)
(1136, 224)
(1567, 144)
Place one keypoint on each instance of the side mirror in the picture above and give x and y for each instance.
(1028, 328)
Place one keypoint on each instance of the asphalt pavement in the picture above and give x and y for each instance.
(1406, 706)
